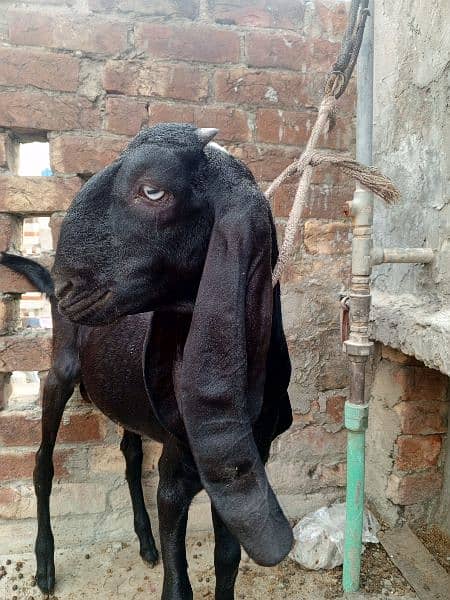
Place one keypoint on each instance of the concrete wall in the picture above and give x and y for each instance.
(85, 75)
(411, 137)
(411, 303)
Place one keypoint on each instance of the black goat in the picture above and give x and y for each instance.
(179, 228)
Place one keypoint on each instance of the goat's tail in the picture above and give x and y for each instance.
(38, 275)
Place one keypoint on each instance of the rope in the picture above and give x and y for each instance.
(370, 177)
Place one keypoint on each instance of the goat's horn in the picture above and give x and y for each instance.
(206, 134)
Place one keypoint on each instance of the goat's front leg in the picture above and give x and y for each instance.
(55, 396)
(227, 556)
(178, 484)
(131, 446)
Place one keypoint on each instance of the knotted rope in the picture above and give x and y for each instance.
(335, 86)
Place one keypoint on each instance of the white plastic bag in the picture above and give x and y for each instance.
(319, 537)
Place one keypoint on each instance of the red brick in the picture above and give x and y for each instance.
(414, 488)
(10, 232)
(178, 81)
(329, 175)
(335, 408)
(87, 427)
(290, 51)
(199, 43)
(37, 195)
(231, 122)
(328, 201)
(265, 162)
(323, 202)
(327, 238)
(89, 34)
(154, 8)
(19, 465)
(45, 70)
(293, 127)
(422, 416)
(17, 430)
(332, 17)
(37, 110)
(284, 14)
(83, 154)
(125, 115)
(417, 451)
(25, 352)
(16, 466)
(265, 88)
(8, 496)
(394, 355)
(420, 383)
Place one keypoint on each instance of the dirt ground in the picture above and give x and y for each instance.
(112, 571)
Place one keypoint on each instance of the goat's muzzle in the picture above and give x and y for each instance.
(80, 306)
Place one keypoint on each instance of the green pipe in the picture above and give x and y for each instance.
(356, 423)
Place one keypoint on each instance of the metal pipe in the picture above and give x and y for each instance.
(401, 255)
(358, 346)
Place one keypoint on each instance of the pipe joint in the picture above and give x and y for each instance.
(356, 416)
(361, 208)
(355, 348)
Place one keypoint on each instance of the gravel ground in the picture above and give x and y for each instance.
(436, 542)
(112, 571)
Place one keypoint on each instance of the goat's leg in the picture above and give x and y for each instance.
(131, 446)
(227, 556)
(55, 396)
(178, 484)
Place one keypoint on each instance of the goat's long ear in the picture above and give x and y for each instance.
(222, 380)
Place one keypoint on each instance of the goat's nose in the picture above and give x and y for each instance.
(62, 289)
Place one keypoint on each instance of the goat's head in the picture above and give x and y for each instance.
(135, 237)
(171, 225)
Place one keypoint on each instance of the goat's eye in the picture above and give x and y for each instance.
(152, 193)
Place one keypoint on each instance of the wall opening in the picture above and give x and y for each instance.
(35, 311)
(36, 236)
(24, 390)
(34, 159)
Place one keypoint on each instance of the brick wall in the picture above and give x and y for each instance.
(408, 427)
(86, 75)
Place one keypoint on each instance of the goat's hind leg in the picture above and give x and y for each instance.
(57, 391)
(131, 446)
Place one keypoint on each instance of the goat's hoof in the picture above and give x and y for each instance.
(45, 579)
(150, 556)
